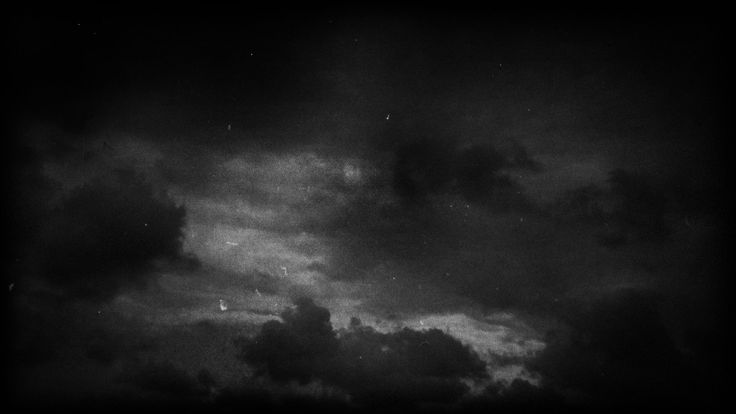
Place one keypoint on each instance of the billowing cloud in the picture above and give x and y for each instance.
(404, 367)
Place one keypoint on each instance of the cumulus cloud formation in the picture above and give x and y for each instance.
(404, 367)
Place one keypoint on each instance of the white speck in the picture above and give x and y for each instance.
(528, 109)
(388, 115)
(99, 313)
(258, 293)
(521, 219)
(10, 287)
(499, 65)
(251, 53)
(286, 271)
(229, 127)
(231, 243)
(223, 305)
(421, 322)
(145, 224)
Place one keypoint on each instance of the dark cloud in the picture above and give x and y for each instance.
(480, 180)
(639, 207)
(168, 379)
(405, 367)
(38, 338)
(47, 328)
(107, 235)
(398, 162)
(261, 397)
(422, 168)
(517, 397)
(478, 172)
(296, 348)
(107, 346)
(629, 209)
(617, 351)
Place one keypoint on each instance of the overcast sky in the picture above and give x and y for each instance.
(516, 210)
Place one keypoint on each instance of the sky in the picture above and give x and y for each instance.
(367, 211)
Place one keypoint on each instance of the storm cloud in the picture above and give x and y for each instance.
(493, 212)
(405, 367)
(433, 165)
(616, 351)
(107, 235)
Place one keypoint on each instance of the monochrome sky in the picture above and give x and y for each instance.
(514, 208)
